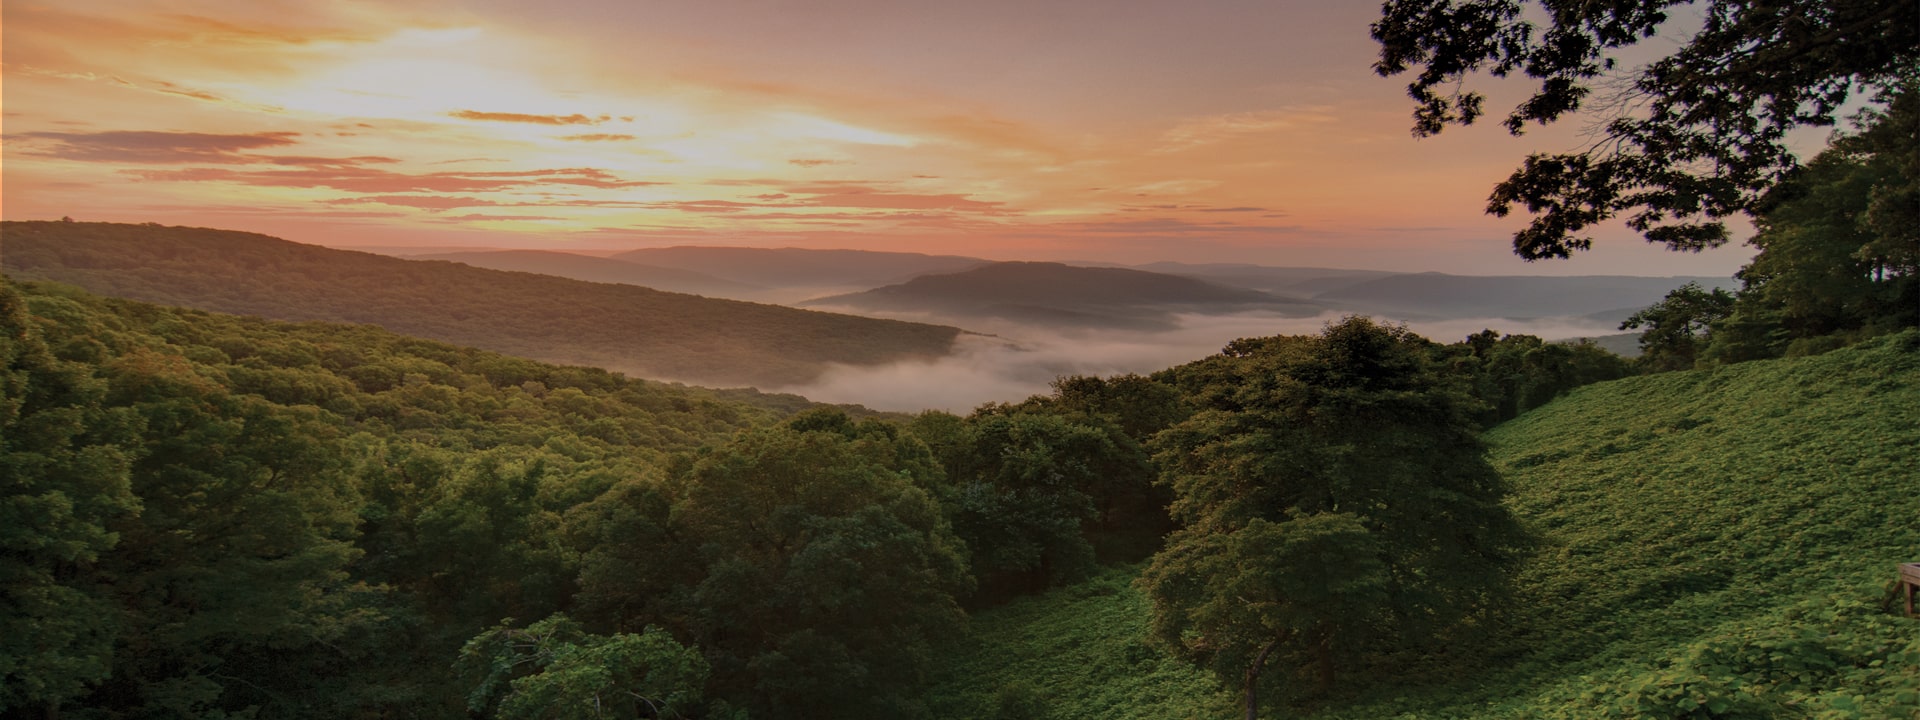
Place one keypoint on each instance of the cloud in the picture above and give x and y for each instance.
(814, 162)
(476, 217)
(1194, 208)
(874, 199)
(377, 181)
(424, 202)
(220, 32)
(1169, 226)
(1210, 129)
(705, 206)
(574, 119)
(300, 160)
(597, 137)
(840, 195)
(157, 148)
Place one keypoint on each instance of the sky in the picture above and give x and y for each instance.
(1083, 130)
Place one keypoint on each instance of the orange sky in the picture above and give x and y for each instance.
(1072, 129)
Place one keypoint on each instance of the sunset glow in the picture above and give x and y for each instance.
(1124, 132)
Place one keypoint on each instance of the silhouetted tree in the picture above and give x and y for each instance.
(1689, 139)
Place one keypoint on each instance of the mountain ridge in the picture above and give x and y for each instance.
(1049, 293)
(627, 328)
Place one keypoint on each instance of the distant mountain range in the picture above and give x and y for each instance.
(1049, 295)
(1059, 295)
(797, 273)
(604, 270)
(1293, 281)
(622, 327)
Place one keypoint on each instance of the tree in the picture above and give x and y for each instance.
(1694, 137)
(1839, 245)
(555, 670)
(1679, 327)
(64, 479)
(807, 562)
(1516, 373)
(1028, 490)
(1232, 599)
(1333, 492)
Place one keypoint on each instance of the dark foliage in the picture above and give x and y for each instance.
(1689, 139)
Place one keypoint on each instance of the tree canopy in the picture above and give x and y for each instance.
(1332, 489)
(1691, 138)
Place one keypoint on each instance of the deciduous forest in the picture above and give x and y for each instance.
(205, 515)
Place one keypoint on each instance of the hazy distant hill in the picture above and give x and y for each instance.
(621, 327)
(1437, 295)
(1053, 294)
(800, 268)
(596, 269)
(1294, 281)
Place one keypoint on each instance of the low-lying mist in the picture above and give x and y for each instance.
(1020, 361)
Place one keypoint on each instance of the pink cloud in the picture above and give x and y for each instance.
(376, 181)
(574, 119)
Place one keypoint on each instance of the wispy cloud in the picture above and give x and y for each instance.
(135, 146)
(424, 202)
(597, 137)
(574, 119)
(378, 181)
(1209, 129)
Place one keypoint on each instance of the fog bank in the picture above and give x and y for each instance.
(1020, 361)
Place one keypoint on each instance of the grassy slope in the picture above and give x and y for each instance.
(1723, 537)
(1083, 651)
(619, 327)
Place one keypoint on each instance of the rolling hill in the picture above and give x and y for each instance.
(1712, 543)
(1295, 281)
(603, 270)
(1058, 295)
(621, 327)
(802, 272)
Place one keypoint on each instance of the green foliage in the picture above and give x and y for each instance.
(1228, 600)
(1081, 652)
(1031, 489)
(1351, 455)
(623, 327)
(806, 561)
(1517, 373)
(1687, 518)
(227, 515)
(555, 670)
(64, 480)
(1839, 258)
(1712, 543)
(1679, 327)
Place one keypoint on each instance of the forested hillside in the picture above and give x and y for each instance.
(620, 327)
(212, 514)
(598, 269)
(209, 514)
(1708, 544)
